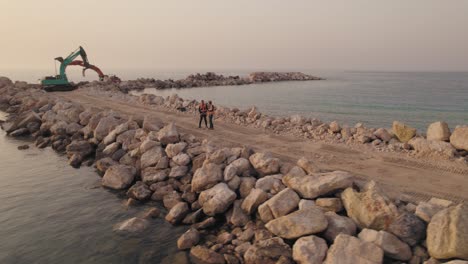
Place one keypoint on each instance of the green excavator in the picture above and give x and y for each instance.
(60, 82)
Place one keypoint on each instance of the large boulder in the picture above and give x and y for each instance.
(181, 159)
(217, 199)
(9, 126)
(297, 120)
(241, 164)
(246, 185)
(426, 210)
(447, 233)
(152, 175)
(146, 145)
(173, 150)
(132, 225)
(299, 223)
(112, 136)
(25, 119)
(189, 239)
(118, 177)
(309, 249)
(314, 185)
(168, 134)
(403, 132)
(459, 138)
(110, 149)
(151, 124)
(334, 127)
(170, 198)
(281, 204)
(218, 156)
(369, 208)
(338, 224)
(307, 165)
(59, 128)
(5, 82)
(351, 250)
(330, 204)
(73, 128)
(178, 171)
(151, 157)
(265, 164)
(236, 168)
(409, 228)
(85, 116)
(305, 204)
(177, 213)
(383, 134)
(139, 191)
(91, 125)
(253, 200)
(103, 164)
(271, 183)
(268, 251)
(19, 132)
(432, 147)
(438, 131)
(105, 126)
(236, 216)
(70, 114)
(81, 147)
(127, 138)
(206, 177)
(391, 245)
(200, 254)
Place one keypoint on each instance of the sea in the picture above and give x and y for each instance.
(375, 99)
(53, 213)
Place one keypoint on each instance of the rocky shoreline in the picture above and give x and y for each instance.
(206, 80)
(242, 206)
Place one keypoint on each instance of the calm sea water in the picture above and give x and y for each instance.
(373, 98)
(52, 213)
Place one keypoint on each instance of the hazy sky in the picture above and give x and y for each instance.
(242, 34)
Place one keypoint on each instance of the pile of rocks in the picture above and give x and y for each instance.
(242, 207)
(256, 77)
(201, 80)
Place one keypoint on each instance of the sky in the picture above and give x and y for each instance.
(397, 35)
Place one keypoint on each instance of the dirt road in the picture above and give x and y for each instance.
(398, 174)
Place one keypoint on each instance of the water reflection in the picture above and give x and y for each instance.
(52, 213)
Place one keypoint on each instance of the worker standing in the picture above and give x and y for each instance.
(211, 109)
(202, 110)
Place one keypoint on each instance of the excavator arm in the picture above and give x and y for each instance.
(65, 62)
(88, 66)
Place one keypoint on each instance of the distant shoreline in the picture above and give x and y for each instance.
(212, 79)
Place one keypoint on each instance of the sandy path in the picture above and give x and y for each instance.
(417, 179)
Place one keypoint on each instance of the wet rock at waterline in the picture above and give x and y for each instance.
(118, 177)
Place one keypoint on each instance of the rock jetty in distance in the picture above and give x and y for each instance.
(213, 79)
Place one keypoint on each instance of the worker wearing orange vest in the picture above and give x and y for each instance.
(202, 109)
(211, 109)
